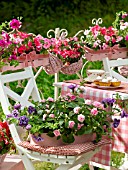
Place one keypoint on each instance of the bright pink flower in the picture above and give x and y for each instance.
(80, 126)
(12, 57)
(76, 110)
(15, 24)
(71, 124)
(81, 118)
(56, 133)
(94, 111)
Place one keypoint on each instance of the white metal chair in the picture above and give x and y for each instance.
(28, 152)
(110, 64)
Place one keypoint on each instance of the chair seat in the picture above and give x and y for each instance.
(65, 150)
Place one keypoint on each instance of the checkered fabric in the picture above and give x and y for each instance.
(65, 150)
(120, 135)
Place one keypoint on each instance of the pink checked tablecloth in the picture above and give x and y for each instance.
(120, 134)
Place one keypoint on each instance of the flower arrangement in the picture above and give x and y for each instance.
(15, 43)
(65, 118)
(121, 24)
(6, 141)
(101, 38)
(69, 50)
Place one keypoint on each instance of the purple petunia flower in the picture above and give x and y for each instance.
(124, 114)
(9, 115)
(15, 24)
(116, 123)
(31, 109)
(23, 121)
(17, 106)
(72, 86)
(108, 101)
(15, 113)
(38, 138)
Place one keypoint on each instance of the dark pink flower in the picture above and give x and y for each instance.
(15, 24)
(12, 57)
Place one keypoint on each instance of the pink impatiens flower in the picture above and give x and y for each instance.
(52, 115)
(56, 133)
(88, 102)
(94, 111)
(71, 124)
(81, 118)
(76, 110)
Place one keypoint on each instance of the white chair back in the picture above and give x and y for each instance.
(109, 66)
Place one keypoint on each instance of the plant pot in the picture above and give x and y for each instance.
(72, 68)
(52, 141)
(48, 141)
(25, 60)
(2, 157)
(112, 53)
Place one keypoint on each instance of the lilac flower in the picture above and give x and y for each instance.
(28, 127)
(17, 106)
(31, 109)
(15, 24)
(15, 113)
(116, 123)
(38, 138)
(124, 114)
(23, 121)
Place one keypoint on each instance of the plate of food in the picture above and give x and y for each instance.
(107, 87)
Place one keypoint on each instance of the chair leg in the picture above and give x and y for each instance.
(26, 161)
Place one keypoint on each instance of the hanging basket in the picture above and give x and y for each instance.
(25, 60)
(114, 52)
(72, 68)
(54, 65)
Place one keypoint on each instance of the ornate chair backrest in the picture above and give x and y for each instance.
(109, 66)
(7, 94)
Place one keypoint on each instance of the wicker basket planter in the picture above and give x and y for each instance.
(72, 68)
(112, 53)
(54, 65)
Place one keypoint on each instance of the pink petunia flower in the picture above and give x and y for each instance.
(15, 24)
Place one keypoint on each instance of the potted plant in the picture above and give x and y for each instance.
(18, 47)
(6, 141)
(69, 51)
(65, 119)
(102, 42)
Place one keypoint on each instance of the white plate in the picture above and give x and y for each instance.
(107, 87)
